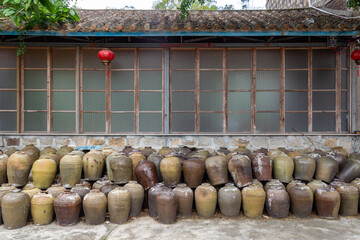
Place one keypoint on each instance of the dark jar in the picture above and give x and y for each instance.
(185, 197)
(301, 198)
(261, 167)
(152, 193)
(166, 205)
(194, 170)
(146, 174)
(67, 208)
(327, 202)
(277, 202)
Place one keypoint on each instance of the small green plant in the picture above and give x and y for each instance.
(353, 4)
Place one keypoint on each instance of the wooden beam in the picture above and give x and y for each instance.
(49, 88)
(225, 93)
(338, 92)
(136, 89)
(22, 72)
(108, 98)
(282, 90)
(253, 90)
(163, 90)
(197, 91)
(310, 94)
(81, 121)
(18, 93)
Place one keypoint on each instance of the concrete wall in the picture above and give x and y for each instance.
(349, 142)
(286, 4)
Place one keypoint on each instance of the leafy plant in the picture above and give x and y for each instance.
(353, 4)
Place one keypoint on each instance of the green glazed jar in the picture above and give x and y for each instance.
(137, 197)
(42, 208)
(44, 171)
(121, 168)
(304, 168)
(283, 168)
(70, 170)
(15, 209)
(253, 198)
(18, 168)
(94, 205)
(119, 204)
(108, 168)
(93, 165)
(205, 200)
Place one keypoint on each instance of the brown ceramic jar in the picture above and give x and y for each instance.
(170, 168)
(147, 151)
(136, 157)
(223, 150)
(67, 208)
(349, 171)
(185, 197)
(122, 168)
(315, 184)
(273, 183)
(3, 166)
(326, 169)
(349, 195)
(277, 202)
(217, 170)
(146, 174)
(166, 205)
(137, 197)
(292, 184)
(229, 199)
(127, 149)
(261, 167)
(81, 189)
(15, 208)
(194, 170)
(108, 188)
(301, 198)
(94, 204)
(93, 165)
(304, 168)
(327, 202)
(56, 190)
(152, 193)
(240, 170)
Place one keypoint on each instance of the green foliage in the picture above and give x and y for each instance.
(353, 4)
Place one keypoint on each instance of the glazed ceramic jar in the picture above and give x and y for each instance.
(137, 197)
(304, 168)
(170, 168)
(185, 198)
(95, 204)
(3, 166)
(156, 159)
(205, 200)
(119, 204)
(56, 190)
(42, 208)
(229, 199)
(193, 170)
(146, 174)
(51, 156)
(349, 202)
(166, 205)
(18, 168)
(108, 188)
(136, 157)
(152, 193)
(32, 151)
(67, 208)
(349, 171)
(70, 169)
(240, 170)
(48, 150)
(326, 169)
(122, 168)
(93, 165)
(273, 183)
(277, 202)
(109, 171)
(253, 198)
(164, 151)
(217, 170)
(64, 150)
(261, 167)
(44, 171)
(327, 202)
(301, 198)
(283, 168)
(15, 208)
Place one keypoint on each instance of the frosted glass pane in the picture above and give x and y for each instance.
(35, 58)
(35, 79)
(344, 101)
(344, 59)
(296, 101)
(295, 59)
(64, 122)
(297, 121)
(344, 122)
(183, 101)
(295, 80)
(91, 59)
(122, 101)
(344, 79)
(211, 59)
(8, 100)
(211, 80)
(211, 101)
(268, 59)
(239, 101)
(239, 59)
(123, 80)
(64, 101)
(239, 80)
(124, 59)
(324, 58)
(150, 80)
(8, 78)
(323, 122)
(183, 59)
(267, 122)
(183, 122)
(94, 80)
(150, 101)
(150, 59)
(8, 58)
(267, 101)
(239, 122)
(64, 80)
(150, 122)
(94, 122)
(64, 58)
(35, 101)
(267, 80)
(323, 79)
(211, 122)
(123, 122)
(94, 101)
(323, 100)
(8, 121)
(183, 80)
(35, 121)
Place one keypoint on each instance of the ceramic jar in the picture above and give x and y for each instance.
(193, 170)
(223, 150)
(304, 168)
(44, 171)
(261, 167)
(327, 202)
(15, 208)
(18, 168)
(109, 171)
(273, 183)
(349, 171)
(152, 193)
(164, 151)
(326, 169)
(94, 204)
(229, 199)
(156, 159)
(119, 204)
(32, 151)
(185, 198)
(166, 205)
(100, 183)
(10, 151)
(356, 183)
(217, 170)
(3, 166)
(136, 157)
(205, 200)
(277, 202)
(253, 198)
(283, 168)
(51, 156)
(42, 208)
(56, 190)
(301, 198)
(64, 150)
(349, 202)
(48, 150)
(67, 208)
(137, 197)
(93, 165)
(240, 170)
(70, 169)
(122, 168)
(147, 151)
(315, 184)
(170, 168)
(106, 189)
(292, 184)
(127, 149)
(5, 189)
(146, 174)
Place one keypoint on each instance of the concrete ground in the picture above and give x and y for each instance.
(219, 227)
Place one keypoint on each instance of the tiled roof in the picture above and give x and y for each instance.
(306, 19)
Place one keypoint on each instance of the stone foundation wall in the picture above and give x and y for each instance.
(349, 142)
(287, 4)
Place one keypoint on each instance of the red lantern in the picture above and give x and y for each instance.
(355, 55)
(106, 56)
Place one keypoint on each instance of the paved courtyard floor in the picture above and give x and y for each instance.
(219, 227)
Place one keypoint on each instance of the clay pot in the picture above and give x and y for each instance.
(94, 204)
(337, 157)
(283, 168)
(15, 208)
(119, 204)
(273, 183)
(44, 171)
(32, 151)
(122, 168)
(107, 151)
(147, 151)
(79, 153)
(152, 193)
(185, 197)
(109, 171)
(253, 198)
(11, 150)
(304, 168)
(136, 157)
(166, 205)
(223, 150)
(243, 151)
(56, 190)
(108, 188)
(326, 169)
(257, 183)
(51, 156)
(42, 208)
(349, 202)
(261, 167)
(217, 170)
(164, 151)
(137, 197)
(293, 154)
(205, 200)
(203, 152)
(229, 199)
(170, 168)
(93, 165)
(327, 202)
(301, 198)
(156, 159)
(349, 171)
(3, 166)
(340, 150)
(48, 150)
(18, 168)
(64, 150)
(356, 183)
(336, 183)
(127, 150)
(240, 170)
(292, 184)
(67, 208)
(277, 202)
(146, 174)
(31, 192)
(100, 183)
(315, 184)
(5, 189)
(194, 170)
(81, 189)
(70, 169)
(274, 153)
